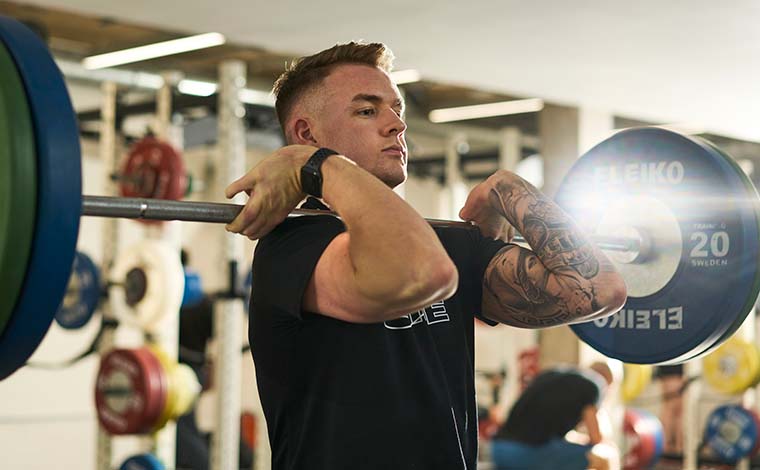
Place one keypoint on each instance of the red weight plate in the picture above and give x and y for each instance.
(128, 391)
(640, 446)
(756, 419)
(153, 169)
(248, 429)
(157, 374)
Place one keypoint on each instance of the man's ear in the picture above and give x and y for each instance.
(302, 133)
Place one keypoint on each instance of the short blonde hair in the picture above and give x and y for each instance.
(304, 74)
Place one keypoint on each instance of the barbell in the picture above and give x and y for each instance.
(678, 217)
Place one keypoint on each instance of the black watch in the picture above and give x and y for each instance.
(311, 172)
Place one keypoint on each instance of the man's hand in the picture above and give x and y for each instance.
(274, 190)
(479, 211)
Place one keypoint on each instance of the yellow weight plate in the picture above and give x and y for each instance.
(636, 377)
(188, 389)
(756, 380)
(733, 367)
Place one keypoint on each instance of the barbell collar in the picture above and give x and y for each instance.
(215, 212)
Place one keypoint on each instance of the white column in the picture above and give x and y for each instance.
(228, 314)
(455, 190)
(108, 156)
(510, 148)
(690, 415)
(167, 335)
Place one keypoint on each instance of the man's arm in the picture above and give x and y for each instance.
(563, 279)
(388, 262)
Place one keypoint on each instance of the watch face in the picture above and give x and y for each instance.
(311, 181)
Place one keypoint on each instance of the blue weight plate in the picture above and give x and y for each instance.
(717, 274)
(142, 462)
(193, 293)
(247, 284)
(753, 198)
(82, 294)
(59, 196)
(731, 432)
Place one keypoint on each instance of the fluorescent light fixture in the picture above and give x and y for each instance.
(477, 111)
(196, 87)
(263, 98)
(151, 51)
(405, 76)
(123, 77)
(684, 128)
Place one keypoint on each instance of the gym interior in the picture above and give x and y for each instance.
(124, 326)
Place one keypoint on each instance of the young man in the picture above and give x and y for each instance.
(362, 328)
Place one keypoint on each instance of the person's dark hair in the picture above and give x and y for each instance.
(305, 73)
(550, 406)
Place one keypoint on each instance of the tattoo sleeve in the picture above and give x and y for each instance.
(555, 282)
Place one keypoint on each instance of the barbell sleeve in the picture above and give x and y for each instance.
(222, 213)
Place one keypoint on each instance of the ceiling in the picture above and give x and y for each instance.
(690, 62)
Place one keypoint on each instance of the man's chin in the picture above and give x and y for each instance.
(394, 180)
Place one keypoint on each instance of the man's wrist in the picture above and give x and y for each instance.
(311, 172)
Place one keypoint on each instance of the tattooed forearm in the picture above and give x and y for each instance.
(563, 279)
(526, 294)
(549, 231)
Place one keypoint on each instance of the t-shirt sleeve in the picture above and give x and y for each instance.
(285, 259)
(484, 251)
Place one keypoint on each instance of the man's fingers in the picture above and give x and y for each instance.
(240, 184)
(246, 217)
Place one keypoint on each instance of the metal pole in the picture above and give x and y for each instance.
(222, 213)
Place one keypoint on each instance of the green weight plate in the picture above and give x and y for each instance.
(18, 185)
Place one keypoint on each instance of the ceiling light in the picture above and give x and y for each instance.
(405, 76)
(196, 87)
(501, 108)
(151, 51)
(263, 98)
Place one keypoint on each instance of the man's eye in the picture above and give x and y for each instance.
(367, 112)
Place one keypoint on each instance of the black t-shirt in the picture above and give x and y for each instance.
(339, 395)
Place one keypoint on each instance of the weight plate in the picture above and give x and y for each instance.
(247, 287)
(678, 316)
(731, 433)
(636, 377)
(130, 391)
(142, 462)
(168, 366)
(153, 169)
(59, 196)
(756, 379)
(732, 367)
(154, 414)
(753, 198)
(193, 292)
(159, 290)
(18, 185)
(188, 389)
(640, 446)
(82, 294)
(756, 419)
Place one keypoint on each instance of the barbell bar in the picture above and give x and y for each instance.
(223, 213)
(678, 194)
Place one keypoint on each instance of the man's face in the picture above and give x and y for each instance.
(362, 118)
